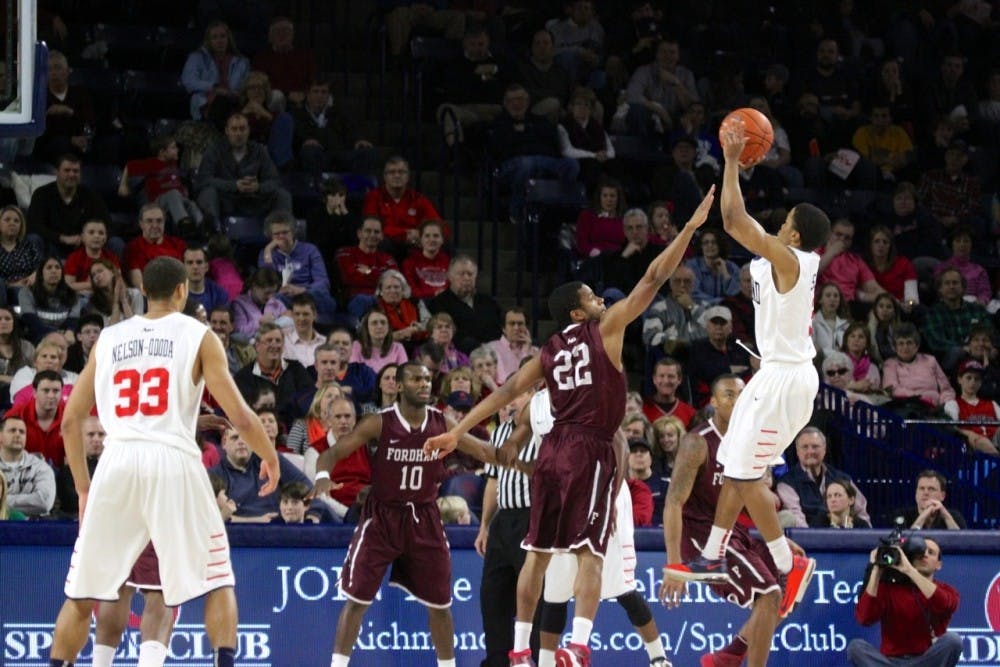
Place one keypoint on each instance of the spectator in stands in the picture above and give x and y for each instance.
(152, 243)
(58, 210)
(473, 86)
(546, 81)
(426, 267)
(260, 304)
(662, 228)
(668, 373)
(636, 425)
(222, 264)
(526, 146)
(302, 339)
(918, 602)
(49, 304)
(356, 379)
(109, 297)
(693, 123)
(316, 421)
(203, 290)
(407, 319)
(840, 509)
(885, 148)
(831, 319)
(386, 389)
(93, 447)
(658, 92)
(352, 473)
(977, 281)
(400, 208)
(715, 276)
(621, 269)
(980, 347)
(969, 407)
(582, 138)
(69, 114)
(838, 370)
(441, 330)
(674, 321)
(476, 315)
(375, 346)
(93, 247)
(677, 180)
(715, 354)
(917, 232)
(484, 368)
(837, 90)
(164, 186)
(891, 88)
(238, 354)
(857, 344)
(79, 352)
(779, 157)
(949, 94)
(30, 482)
(846, 269)
(325, 137)
(953, 196)
(361, 266)
(803, 488)
(269, 128)
(515, 344)
(407, 15)
(775, 82)
(285, 377)
(742, 307)
(42, 417)
(640, 467)
(633, 42)
(948, 322)
(885, 315)
(667, 434)
(19, 254)
(213, 73)
(15, 352)
(599, 228)
(50, 355)
(291, 69)
(579, 42)
(893, 272)
(455, 511)
(460, 379)
(915, 375)
(293, 501)
(930, 512)
(238, 177)
(812, 139)
(330, 225)
(299, 263)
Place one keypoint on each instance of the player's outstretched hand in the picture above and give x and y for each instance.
(212, 422)
(441, 445)
(270, 472)
(322, 487)
(672, 591)
(700, 214)
(734, 138)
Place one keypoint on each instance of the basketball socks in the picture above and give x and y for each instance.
(60, 663)
(339, 660)
(103, 655)
(522, 635)
(781, 553)
(546, 658)
(737, 647)
(654, 649)
(224, 657)
(152, 654)
(446, 663)
(581, 630)
(718, 540)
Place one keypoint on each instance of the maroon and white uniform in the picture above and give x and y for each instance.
(751, 568)
(151, 484)
(572, 486)
(400, 522)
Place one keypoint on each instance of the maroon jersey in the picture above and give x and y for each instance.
(700, 506)
(586, 388)
(401, 472)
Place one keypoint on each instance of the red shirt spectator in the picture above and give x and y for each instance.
(161, 176)
(400, 207)
(152, 244)
(47, 442)
(78, 263)
(361, 266)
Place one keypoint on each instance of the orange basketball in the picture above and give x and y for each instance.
(758, 131)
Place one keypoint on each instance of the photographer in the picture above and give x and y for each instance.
(913, 609)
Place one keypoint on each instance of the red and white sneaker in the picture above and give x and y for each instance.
(574, 655)
(699, 569)
(520, 658)
(796, 583)
(720, 659)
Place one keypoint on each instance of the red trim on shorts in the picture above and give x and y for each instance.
(769, 430)
(218, 576)
(217, 535)
(212, 551)
(221, 562)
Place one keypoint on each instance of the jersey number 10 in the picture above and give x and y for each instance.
(571, 367)
(145, 394)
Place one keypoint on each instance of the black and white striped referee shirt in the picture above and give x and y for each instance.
(513, 490)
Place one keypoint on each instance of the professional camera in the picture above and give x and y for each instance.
(887, 555)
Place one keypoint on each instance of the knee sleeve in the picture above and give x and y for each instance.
(636, 608)
(553, 617)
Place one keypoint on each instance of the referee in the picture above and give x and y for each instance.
(504, 523)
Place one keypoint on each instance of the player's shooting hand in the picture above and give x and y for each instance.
(270, 472)
(441, 445)
(733, 138)
(672, 591)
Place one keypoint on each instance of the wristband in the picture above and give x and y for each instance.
(322, 474)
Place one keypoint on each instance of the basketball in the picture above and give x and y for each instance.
(758, 130)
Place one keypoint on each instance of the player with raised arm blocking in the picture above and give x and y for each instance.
(151, 484)
(400, 523)
(572, 488)
(778, 400)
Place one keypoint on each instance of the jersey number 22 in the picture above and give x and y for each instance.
(571, 367)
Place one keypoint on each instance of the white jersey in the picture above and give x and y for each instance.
(784, 321)
(143, 381)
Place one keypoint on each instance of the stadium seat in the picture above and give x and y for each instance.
(469, 486)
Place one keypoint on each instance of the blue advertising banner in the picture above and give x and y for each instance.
(289, 604)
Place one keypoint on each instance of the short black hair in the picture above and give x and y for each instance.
(161, 277)
(812, 224)
(304, 299)
(942, 480)
(719, 379)
(294, 491)
(563, 300)
(95, 319)
(49, 376)
(401, 369)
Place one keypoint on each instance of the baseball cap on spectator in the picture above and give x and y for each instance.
(638, 443)
(715, 312)
(970, 366)
(460, 400)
